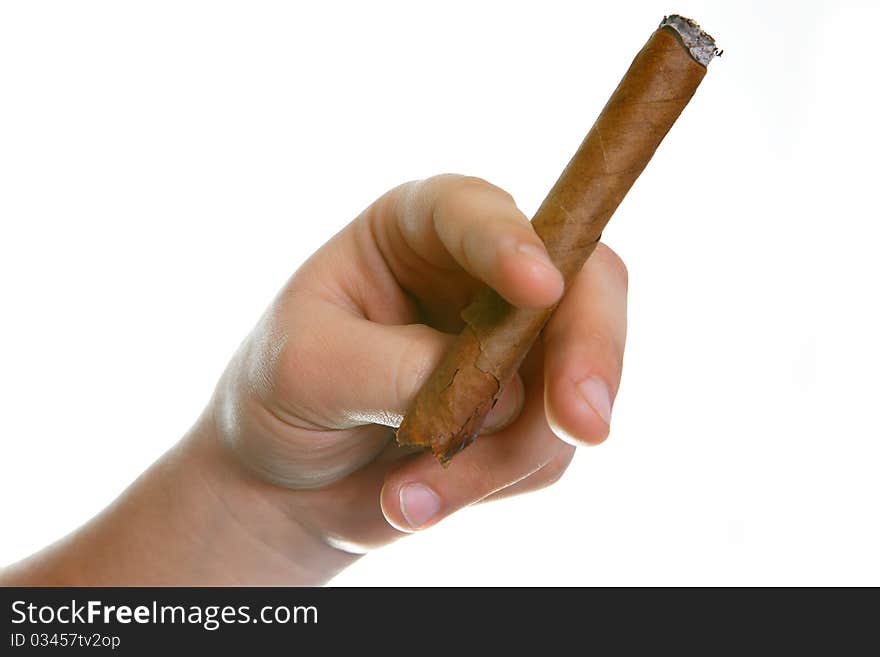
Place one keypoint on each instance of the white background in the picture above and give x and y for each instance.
(165, 166)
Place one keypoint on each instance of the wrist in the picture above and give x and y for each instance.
(250, 530)
(195, 518)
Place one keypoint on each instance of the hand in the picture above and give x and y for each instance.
(308, 401)
(292, 471)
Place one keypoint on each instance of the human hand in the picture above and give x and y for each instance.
(292, 471)
(309, 400)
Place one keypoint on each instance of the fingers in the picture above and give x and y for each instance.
(583, 352)
(451, 221)
(420, 492)
(584, 343)
(355, 372)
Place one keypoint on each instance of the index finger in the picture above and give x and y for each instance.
(427, 228)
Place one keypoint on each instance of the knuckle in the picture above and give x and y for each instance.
(400, 201)
(459, 217)
(475, 182)
(458, 185)
(267, 352)
(459, 196)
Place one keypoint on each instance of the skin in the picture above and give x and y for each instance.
(291, 472)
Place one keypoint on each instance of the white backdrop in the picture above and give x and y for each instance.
(165, 166)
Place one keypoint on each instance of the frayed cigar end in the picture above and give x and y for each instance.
(699, 44)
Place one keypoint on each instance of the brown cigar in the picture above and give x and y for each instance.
(449, 409)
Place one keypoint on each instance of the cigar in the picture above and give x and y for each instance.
(448, 411)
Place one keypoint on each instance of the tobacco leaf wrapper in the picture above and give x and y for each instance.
(449, 410)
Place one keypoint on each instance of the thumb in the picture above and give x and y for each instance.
(359, 372)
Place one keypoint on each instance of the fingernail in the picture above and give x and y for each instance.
(536, 253)
(595, 392)
(419, 504)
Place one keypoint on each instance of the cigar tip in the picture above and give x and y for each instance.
(699, 44)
